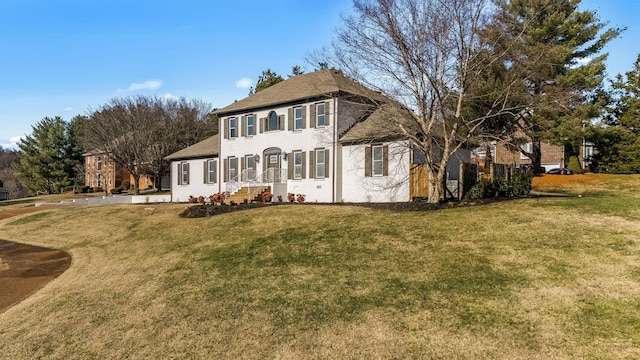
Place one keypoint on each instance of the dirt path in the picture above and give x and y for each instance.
(25, 269)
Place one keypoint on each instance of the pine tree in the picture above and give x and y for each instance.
(48, 157)
(556, 47)
(618, 142)
(266, 79)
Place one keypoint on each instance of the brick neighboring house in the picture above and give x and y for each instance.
(100, 171)
(552, 155)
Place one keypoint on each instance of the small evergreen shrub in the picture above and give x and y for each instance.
(520, 184)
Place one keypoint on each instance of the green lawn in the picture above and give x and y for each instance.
(555, 277)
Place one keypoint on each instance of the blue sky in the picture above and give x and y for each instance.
(64, 57)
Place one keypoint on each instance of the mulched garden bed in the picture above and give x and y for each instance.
(204, 210)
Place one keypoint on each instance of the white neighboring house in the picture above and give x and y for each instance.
(320, 134)
(194, 170)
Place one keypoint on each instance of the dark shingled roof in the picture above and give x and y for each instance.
(382, 124)
(299, 88)
(205, 148)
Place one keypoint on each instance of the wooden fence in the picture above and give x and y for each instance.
(452, 188)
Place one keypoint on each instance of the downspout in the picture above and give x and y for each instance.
(335, 155)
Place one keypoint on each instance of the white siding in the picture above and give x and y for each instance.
(196, 186)
(306, 140)
(356, 187)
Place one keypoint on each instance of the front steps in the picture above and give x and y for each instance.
(248, 194)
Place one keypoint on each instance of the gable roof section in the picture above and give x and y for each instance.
(318, 84)
(205, 148)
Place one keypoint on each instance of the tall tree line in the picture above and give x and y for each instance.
(139, 132)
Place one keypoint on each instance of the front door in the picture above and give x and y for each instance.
(272, 164)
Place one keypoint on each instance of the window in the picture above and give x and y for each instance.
(297, 165)
(251, 162)
(232, 128)
(183, 173)
(110, 181)
(233, 168)
(250, 126)
(320, 168)
(99, 180)
(320, 115)
(377, 160)
(99, 163)
(248, 168)
(297, 118)
(210, 172)
(273, 122)
(527, 148)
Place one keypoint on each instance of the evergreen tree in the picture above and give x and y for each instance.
(555, 47)
(266, 79)
(618, 141)
(48, 157)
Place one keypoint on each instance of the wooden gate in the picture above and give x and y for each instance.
(418, 188)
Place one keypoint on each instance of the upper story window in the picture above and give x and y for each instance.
(272, 122)
(99, 163)
(250, 126)
(320, 115)
(233, 128)
(297, 118)
(527, 148)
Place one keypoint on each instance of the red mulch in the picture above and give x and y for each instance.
(204, 210)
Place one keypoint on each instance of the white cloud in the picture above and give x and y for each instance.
(68, 108)
(12, 144)
(244, 83)
(147, 85)
(169, 96)
(581, 62)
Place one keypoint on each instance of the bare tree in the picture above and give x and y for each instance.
(179, 123)
(138, 132)
(428, 55)
(8, 179)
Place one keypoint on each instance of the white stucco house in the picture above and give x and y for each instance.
(320, 134)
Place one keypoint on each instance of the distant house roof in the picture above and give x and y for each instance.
(205, 148)
(299, 88)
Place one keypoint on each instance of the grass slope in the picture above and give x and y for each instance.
(532, 278)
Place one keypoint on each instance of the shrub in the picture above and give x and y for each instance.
(126, 185)
(520, 184)
(116, 190)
